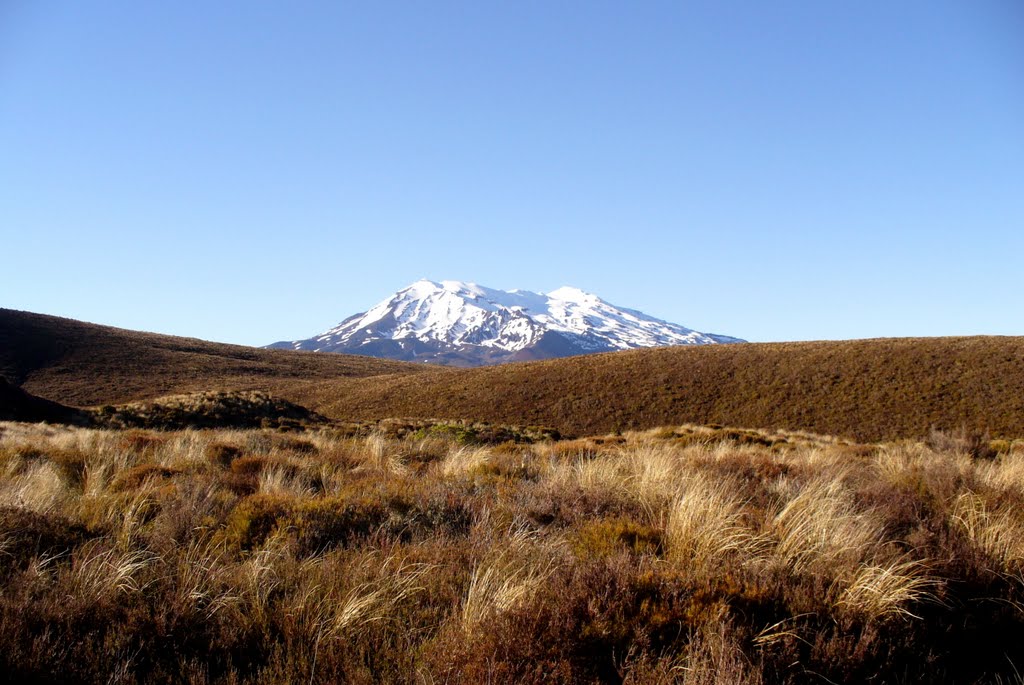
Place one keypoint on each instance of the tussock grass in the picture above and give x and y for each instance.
(99, 574)
(464, 460)
(705, 527)
(201, 578)
(821, 529)
(39, 486)
(279, 480)
(998, 532)
(379, 454)
(880, 592)
(716, 657)
(684, 554)
(505, 580)
(333, 608)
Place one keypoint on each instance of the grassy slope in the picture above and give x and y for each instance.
(866, 389)
(85, 364)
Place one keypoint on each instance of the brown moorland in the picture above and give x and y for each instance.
(682, 555)
(864, 389)
(84, 364)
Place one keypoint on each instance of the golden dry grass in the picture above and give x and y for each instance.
(255, 556)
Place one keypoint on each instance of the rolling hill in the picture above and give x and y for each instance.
(863, 389)
(84, 364)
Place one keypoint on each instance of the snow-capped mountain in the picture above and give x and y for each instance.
(465, 324)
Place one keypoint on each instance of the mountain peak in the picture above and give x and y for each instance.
(466, 324)
(571, 294)
(425, 287)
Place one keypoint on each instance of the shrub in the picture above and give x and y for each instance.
(610, 536)
(255, 465)
(320, 524)
(219, 454)
(133, 478)
(254, 518)
(27, 535)
(975, 444)
(140, 442)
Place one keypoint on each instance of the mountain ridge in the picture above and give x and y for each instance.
(465, 324)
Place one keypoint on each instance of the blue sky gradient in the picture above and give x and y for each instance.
(255, 171)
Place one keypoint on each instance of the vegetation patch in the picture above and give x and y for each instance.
(250, 409)
(680, 554)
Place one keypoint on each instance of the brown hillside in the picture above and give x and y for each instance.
(18, 405)
(85, 364)
(865, 389)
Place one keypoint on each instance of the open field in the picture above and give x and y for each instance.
(684, 554)
(863, 389)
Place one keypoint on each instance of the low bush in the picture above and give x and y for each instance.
(322, 524)
(607, 537)
(26, 536)
(223, 455)
(255, 518)
(973, 443)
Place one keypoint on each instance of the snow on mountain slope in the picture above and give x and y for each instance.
(467, 324)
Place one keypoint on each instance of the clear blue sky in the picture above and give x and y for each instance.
(255, 171)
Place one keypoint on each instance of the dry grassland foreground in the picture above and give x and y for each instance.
(677, 555)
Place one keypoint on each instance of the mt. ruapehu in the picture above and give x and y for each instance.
(464, 324)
